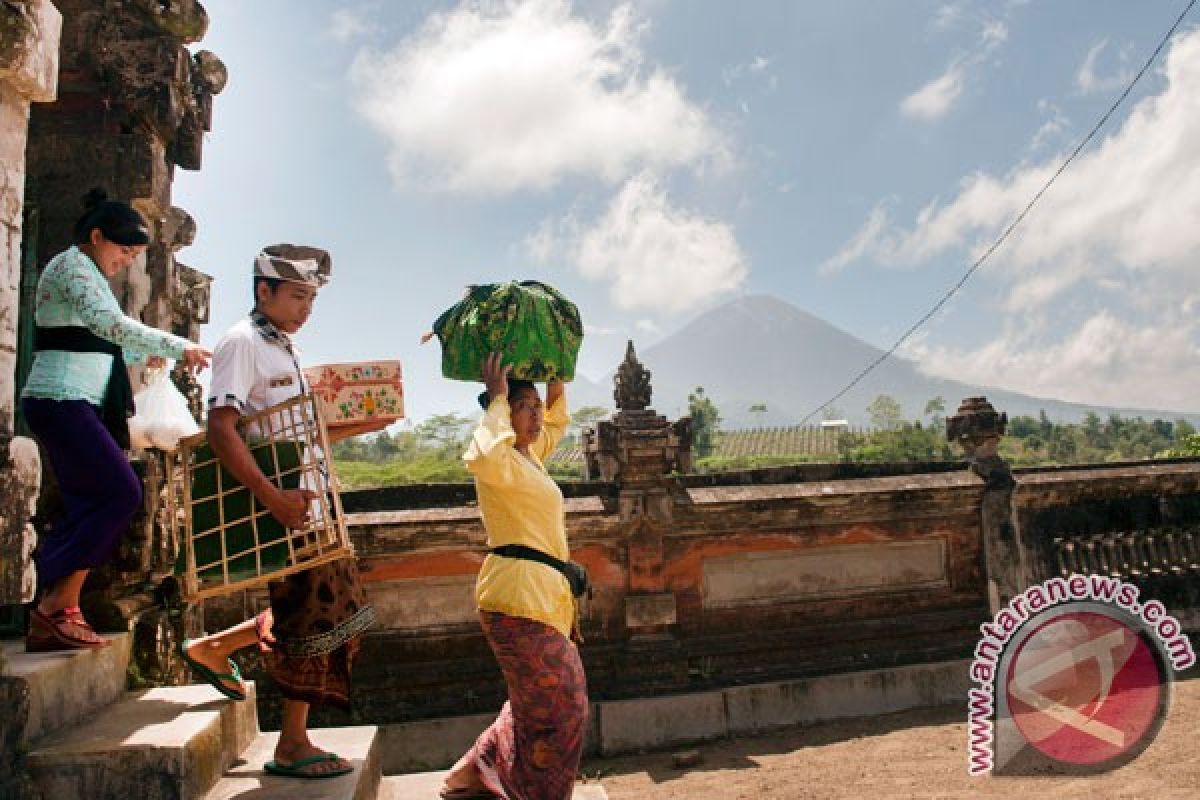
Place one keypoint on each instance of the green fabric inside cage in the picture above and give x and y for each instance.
(279, 462)
(532, 324)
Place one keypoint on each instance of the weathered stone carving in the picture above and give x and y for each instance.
(977, 428)
(638, 447)
(633, 390)
(210, 75)
(29, 37)
(20, 482)
(185, 20)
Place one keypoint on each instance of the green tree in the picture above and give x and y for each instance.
(381, 448)
(1022, 426)
(706, 422)
(885, 412)
(935, 407)
(1093, 429)
(444, 431)
(1188, 446)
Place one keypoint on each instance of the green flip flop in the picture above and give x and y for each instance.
(215, 679)
(296, 768)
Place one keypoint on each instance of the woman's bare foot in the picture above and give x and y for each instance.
(290, 752)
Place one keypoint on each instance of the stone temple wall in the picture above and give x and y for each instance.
(132, 104)
(29, 43)
(763, 575)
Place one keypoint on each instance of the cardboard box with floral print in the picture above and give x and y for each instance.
(354, 393)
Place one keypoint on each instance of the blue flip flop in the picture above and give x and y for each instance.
(295, 769)
(215, 679)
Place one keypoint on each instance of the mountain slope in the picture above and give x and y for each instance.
(759, 349)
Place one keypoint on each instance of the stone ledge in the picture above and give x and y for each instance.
(656, 723)
(63, 688)
(627, 726)
(360, 746)
(425, 786)
(161, 744)
(753, 709)
(434, 744)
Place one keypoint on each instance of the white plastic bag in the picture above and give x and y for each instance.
(162, 417)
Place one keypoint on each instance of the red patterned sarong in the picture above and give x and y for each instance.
(532, 750)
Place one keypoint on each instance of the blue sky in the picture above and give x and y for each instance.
(653, 159)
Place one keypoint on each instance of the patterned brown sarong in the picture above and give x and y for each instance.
(319, 615)
(532, 750)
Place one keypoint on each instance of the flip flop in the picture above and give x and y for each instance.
(296, 768)
(466, 793)
(215, 679)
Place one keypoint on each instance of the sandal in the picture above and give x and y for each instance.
(296, 768)
(215, 679)
(466, 793)
(58, 631)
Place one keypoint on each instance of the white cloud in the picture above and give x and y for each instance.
(647, 326)
(935, 98)
(1053, 129)
(1118, 211)
(1119, 217)
(757, 66)
(995, 32)
(652, 254)
(348, 23)
(598, 330)
(1105, 361)
(1088, 81)
(504, 96)
(867, 240)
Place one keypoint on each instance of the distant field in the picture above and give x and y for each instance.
(746, 449)
(758, 442)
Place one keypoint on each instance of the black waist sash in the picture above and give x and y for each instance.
(575, 574)
(118, 394)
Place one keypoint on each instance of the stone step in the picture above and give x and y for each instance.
(171, 743)
(247, 780)
(60, 689)
(425, 786)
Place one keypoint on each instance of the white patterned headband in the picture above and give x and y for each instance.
(296, 263)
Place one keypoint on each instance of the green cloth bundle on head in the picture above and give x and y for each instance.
(537, 330)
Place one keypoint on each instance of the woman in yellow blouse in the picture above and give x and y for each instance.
(532, 750)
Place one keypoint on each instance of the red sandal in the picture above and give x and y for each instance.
(59, 631)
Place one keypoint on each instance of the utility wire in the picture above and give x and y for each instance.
(1011, 226)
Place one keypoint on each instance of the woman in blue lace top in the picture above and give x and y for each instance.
(77, 401)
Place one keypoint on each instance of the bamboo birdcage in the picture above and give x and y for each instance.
(228, 540)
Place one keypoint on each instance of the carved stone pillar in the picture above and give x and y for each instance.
(642, 452)
(977, 428)
(29, 43)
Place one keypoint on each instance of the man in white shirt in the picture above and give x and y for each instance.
(310, 635)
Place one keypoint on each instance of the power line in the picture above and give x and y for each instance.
(1011, 226)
